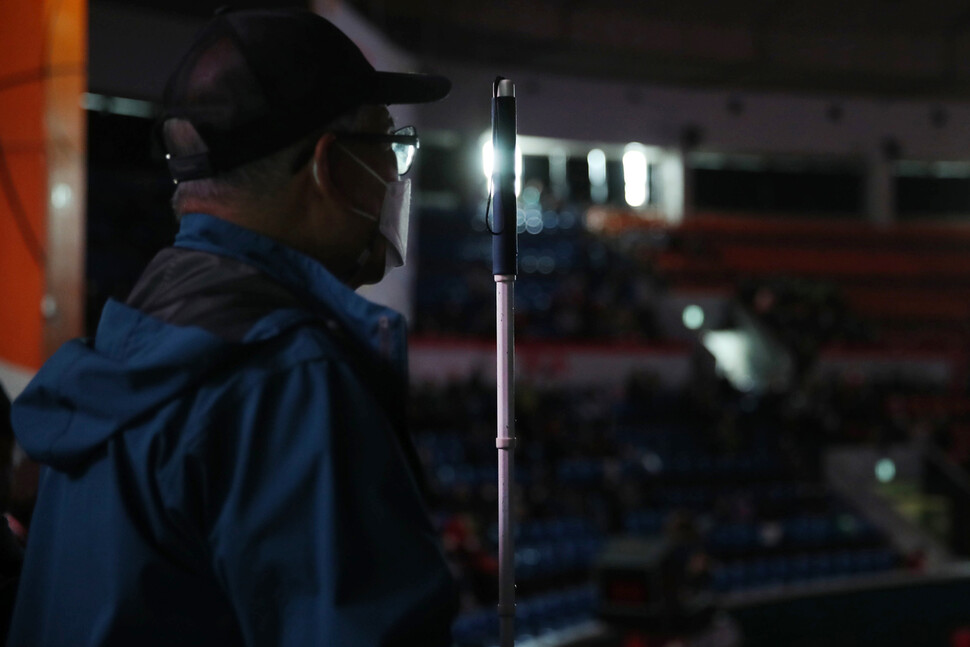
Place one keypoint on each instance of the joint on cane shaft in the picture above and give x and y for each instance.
(505, 443)
(506, 610)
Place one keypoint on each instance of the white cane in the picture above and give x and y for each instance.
(504, 267)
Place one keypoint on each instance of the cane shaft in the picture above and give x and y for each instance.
(505, 443)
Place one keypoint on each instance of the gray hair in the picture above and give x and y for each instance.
(260, 180)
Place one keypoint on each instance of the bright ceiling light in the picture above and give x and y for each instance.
(488, 164)
(635, 176)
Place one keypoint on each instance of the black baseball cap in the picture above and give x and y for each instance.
(256, 81)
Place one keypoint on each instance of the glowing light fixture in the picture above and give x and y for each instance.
(635, 176)
(693, 316)
(885, 470)
(596, 161)
(61, 195)
(488, 164)
(488, 160)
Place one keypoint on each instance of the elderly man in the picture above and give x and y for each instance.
(227, 461)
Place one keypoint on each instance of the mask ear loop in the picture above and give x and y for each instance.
(488, 207)
(363, 164)
(358, 265)
(366, 254)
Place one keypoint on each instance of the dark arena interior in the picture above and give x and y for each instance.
(741, 313)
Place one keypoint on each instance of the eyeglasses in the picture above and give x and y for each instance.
(404, 143)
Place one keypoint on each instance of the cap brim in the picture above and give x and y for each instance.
(398, 87)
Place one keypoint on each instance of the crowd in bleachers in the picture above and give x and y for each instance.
(707, 471)
(571, 285)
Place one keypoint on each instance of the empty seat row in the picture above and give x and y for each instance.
(796, 532)
(546, 559)
(541, 530)
(464, 475)
(802, 568)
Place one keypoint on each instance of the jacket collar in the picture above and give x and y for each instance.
(377, 326)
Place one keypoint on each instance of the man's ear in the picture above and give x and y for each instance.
(320, 165)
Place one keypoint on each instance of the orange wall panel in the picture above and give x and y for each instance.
(21, 274)
(23, 181)
(42, 76)
(21, 32)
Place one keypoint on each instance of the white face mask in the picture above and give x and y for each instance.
(394, 216)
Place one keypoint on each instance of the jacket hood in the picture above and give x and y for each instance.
(88, 391)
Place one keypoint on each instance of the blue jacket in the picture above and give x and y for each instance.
(223, 466)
